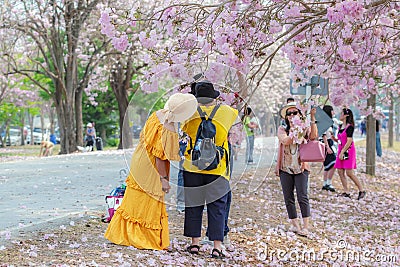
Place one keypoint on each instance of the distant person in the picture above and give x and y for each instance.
(289, 100)
(250, 126)
(363, 127)
(330, 158)
(142, 220)
(90, 136)
(47, 148)
(53, 138)
(235, 137)
(346, 161)
(180, 194)
(378, 139)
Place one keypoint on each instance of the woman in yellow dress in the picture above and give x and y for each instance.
(142, 220)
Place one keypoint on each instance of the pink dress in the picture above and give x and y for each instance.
(349, 163)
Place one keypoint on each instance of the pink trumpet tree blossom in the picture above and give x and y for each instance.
(354, 43)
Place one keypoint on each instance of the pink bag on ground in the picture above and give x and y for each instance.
(313, 151)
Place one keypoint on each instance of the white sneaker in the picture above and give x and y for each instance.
(180, 208)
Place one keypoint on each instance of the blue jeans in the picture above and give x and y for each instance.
(378, 144)
(249, 148)
(180, 195)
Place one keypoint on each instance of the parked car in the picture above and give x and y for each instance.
(14, 137)
(37, 136)
(136, 129)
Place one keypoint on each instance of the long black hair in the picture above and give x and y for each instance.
(247, 112)
(350, 117)
(328, 110)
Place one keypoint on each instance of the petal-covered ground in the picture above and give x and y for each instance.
(345, 232)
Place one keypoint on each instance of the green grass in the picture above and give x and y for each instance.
(32, 150)
(384, 143)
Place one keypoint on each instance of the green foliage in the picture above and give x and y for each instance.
(113, 142)
(9, 114)
(105, 114)
(148, 102)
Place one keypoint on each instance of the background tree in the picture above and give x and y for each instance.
(53, 31)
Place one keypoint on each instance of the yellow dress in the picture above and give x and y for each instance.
(142, 220)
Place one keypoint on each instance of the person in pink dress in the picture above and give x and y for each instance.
(346, 160)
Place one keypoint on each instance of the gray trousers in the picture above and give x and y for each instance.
(288, 183)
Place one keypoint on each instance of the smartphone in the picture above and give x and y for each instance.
(346, 155)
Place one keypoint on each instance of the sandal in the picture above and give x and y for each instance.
(344, 195)
(193, 249)
(293, 229)
(303, 233)
(219, 254)
(361, 195)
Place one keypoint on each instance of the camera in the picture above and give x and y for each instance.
(346, 155)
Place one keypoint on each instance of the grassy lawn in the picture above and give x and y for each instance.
(384, 143)
(31, 150)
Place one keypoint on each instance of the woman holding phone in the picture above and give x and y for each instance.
(346, 161)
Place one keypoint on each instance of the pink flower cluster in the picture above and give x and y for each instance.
(333, 41)
(348, 10)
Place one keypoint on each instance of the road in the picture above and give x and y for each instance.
(46, 192)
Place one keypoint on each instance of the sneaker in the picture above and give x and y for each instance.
(206, 241)
(180, 208)
(325, 187)
(361, 195)
(331, 188)
(344, 194)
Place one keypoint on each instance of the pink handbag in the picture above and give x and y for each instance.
(313, 151)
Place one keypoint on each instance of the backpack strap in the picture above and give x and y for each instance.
(212, 114)
(201, 112)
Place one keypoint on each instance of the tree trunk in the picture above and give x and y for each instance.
(52, 120)
(42, 126)
(397, 119)
(390, 126)
(78, 117)
(103, 134)
(120, 80)
(371, 138)
(269, 124)
(66, 121)
(30, 119)
(22, 117)
(125, 137)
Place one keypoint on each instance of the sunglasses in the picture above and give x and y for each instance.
(292, 113)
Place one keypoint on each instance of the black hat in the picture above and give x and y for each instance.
(205, 92)
(196, 79)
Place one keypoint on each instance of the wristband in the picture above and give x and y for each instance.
(314, 122)
(164, 177)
